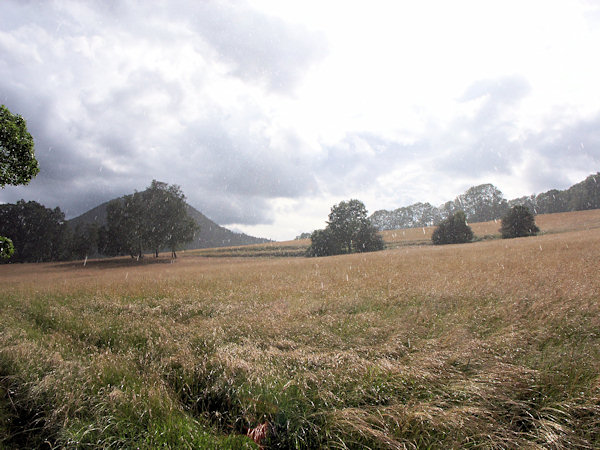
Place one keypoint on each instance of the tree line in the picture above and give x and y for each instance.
(486, 202)
(349, 230)
(148, 221)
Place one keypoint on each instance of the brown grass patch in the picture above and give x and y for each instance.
(493, 344)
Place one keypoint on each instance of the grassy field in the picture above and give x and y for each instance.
(494, 344)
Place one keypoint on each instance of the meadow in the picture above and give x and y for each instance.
(493, 344)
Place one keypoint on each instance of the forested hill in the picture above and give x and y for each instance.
(486, 202)
(210, 235)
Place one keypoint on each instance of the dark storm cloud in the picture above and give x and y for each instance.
(101, 90)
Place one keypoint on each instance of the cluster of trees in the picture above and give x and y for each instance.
(148, 221)
(486, 202)
(348, 231)
(151, 220)
(579, 197)
(517, 222)
(37, 233)
(479, 204)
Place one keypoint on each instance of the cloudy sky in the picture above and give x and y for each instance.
(268, 112)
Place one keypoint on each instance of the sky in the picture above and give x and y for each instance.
(267, 113)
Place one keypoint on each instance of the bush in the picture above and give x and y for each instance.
(453, 230)
(518, 222)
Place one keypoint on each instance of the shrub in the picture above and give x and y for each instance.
(518, 222)
(453, 230)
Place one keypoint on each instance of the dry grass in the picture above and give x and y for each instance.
(487, 345)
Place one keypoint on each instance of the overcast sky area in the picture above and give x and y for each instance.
(268, 112)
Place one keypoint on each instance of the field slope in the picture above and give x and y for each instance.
(494, 344)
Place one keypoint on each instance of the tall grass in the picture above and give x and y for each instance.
(487, 345)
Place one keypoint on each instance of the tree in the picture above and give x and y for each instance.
(167, 222)
(17, 160)
(38, 233)
(153, 220)
(518, 222)
(453, 230)
(348, 231)
(124, 232)
(322, 244)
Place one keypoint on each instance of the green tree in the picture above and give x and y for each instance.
(166, 219)
(38, 233)
(518, 222)
(124, 232)
(348, 231)
(153, 220)
(183, 230)
(17, 160)
(453, 230)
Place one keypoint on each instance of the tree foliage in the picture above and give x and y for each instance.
(6, 248)
(37, 233)
(348, 231)
(518, 222)
(152, 220)
(453, 230)
(17, 160)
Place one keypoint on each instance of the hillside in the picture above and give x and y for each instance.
(211, 234)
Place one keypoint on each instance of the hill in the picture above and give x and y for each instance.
(210, 235)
